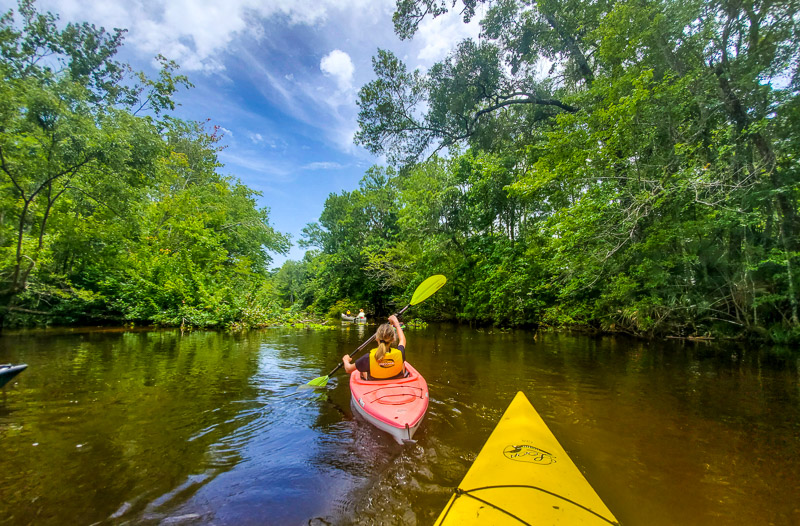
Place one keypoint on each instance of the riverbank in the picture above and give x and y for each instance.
(309, 321)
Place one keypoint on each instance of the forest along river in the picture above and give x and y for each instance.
(155, 427)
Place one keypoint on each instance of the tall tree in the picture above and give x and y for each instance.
(657, 150)
(67, 120)
(200, 245)
(110, 208)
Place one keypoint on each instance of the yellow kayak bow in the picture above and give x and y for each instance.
(523, 476)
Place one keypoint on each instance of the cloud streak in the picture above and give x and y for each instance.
(195, 32)
(323, 166)
(313, 79)
(281, 78)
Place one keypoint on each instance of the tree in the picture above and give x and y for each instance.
(199, 249)
(354, 232)
(656, 156)
(111, 209)
(67, 121)
(290, 281)
(461, 95)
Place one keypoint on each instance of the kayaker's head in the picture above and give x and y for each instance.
(385, 337)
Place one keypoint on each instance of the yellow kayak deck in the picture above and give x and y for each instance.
(523, 476)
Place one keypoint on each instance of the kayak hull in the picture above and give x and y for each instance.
(396, 407)
(8, 371)
(523, 476)
(347, 318)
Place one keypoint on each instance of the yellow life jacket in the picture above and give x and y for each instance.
(390, 366)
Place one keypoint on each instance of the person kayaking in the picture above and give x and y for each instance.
(361, 314)
(383, 362)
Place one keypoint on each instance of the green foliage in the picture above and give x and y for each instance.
(311, 326)
(648, 183)
(111, 210)
(356, 237)
(784, 336)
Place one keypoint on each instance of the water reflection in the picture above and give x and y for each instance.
(152, 427)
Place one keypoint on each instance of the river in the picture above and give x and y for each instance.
(156, 427)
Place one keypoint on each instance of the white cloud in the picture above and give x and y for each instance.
(257, 168)
(256, 138)
(439, 35)
(253, 39)
(287, 95)
(194, 32)
(322, 166)
(338, 65)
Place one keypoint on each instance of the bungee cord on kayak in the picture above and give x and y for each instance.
(459, 492)
(469, 493)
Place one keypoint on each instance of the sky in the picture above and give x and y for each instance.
(280, 77)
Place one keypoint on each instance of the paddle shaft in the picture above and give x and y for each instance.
(364, 345)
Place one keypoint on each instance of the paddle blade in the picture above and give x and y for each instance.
(322, 381)
(427, 288)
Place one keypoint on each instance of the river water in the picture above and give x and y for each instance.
(155, 427)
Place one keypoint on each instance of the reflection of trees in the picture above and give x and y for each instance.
(159, 416)
(127, 418)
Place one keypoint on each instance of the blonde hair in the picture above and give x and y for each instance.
(384, 336)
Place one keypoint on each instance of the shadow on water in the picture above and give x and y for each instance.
(151, 427)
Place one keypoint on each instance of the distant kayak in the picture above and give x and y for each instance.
(394, 406)
(345, 317)
(523, 476)
(8, 371)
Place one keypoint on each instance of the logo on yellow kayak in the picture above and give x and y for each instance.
(526, 453)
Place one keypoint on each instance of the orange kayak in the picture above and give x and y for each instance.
(394, 406)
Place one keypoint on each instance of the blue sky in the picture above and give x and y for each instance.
(281, 78)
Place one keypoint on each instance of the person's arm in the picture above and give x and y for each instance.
(349, 366)
(401, 338)
(362, 364)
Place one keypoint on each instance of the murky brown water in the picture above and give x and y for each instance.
(151, 427)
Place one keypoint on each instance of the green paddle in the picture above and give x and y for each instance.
(425, 290)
